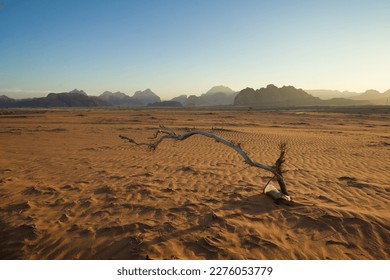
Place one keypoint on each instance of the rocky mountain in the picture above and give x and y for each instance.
(274, 96)
(140, 98)
(368, 95)
(217, 89)
(218, 95)
(74, 98)
(374, 97)
(371, 97)
(108, 95)
(145, 97)
(6, 102)
(119, 99)
(5, 98)
(181, 98)
(287, 96)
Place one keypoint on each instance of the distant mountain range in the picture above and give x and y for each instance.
(270, 96)
(78, 98)
(329, 94)
(118, 99)
(74, 98)
(374, 97)
(140, 98)
(216, 96)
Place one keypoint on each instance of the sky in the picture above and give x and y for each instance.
(179, 47)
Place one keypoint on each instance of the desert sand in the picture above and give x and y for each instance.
(70, 188)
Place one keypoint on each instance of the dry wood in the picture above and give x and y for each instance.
(168, 133)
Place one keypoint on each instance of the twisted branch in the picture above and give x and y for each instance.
(168, 133)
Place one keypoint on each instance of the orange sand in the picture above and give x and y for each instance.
(70, 188)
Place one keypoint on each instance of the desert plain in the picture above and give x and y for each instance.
(70, 188)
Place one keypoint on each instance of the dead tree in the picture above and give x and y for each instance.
(168, 133)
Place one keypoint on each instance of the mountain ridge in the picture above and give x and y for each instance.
(216, 96)
(287, 96)
(274, 96)
(74, 98)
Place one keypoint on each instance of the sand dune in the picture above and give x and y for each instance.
(70, 188)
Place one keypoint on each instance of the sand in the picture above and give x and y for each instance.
(70, 188)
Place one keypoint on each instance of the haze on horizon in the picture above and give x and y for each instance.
(185, 47)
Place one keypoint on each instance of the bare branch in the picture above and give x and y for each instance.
(131, 140)
(171, 134)
(279, 162)
(279, 167)
(163, 130)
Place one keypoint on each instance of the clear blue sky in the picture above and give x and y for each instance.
(187, 46)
